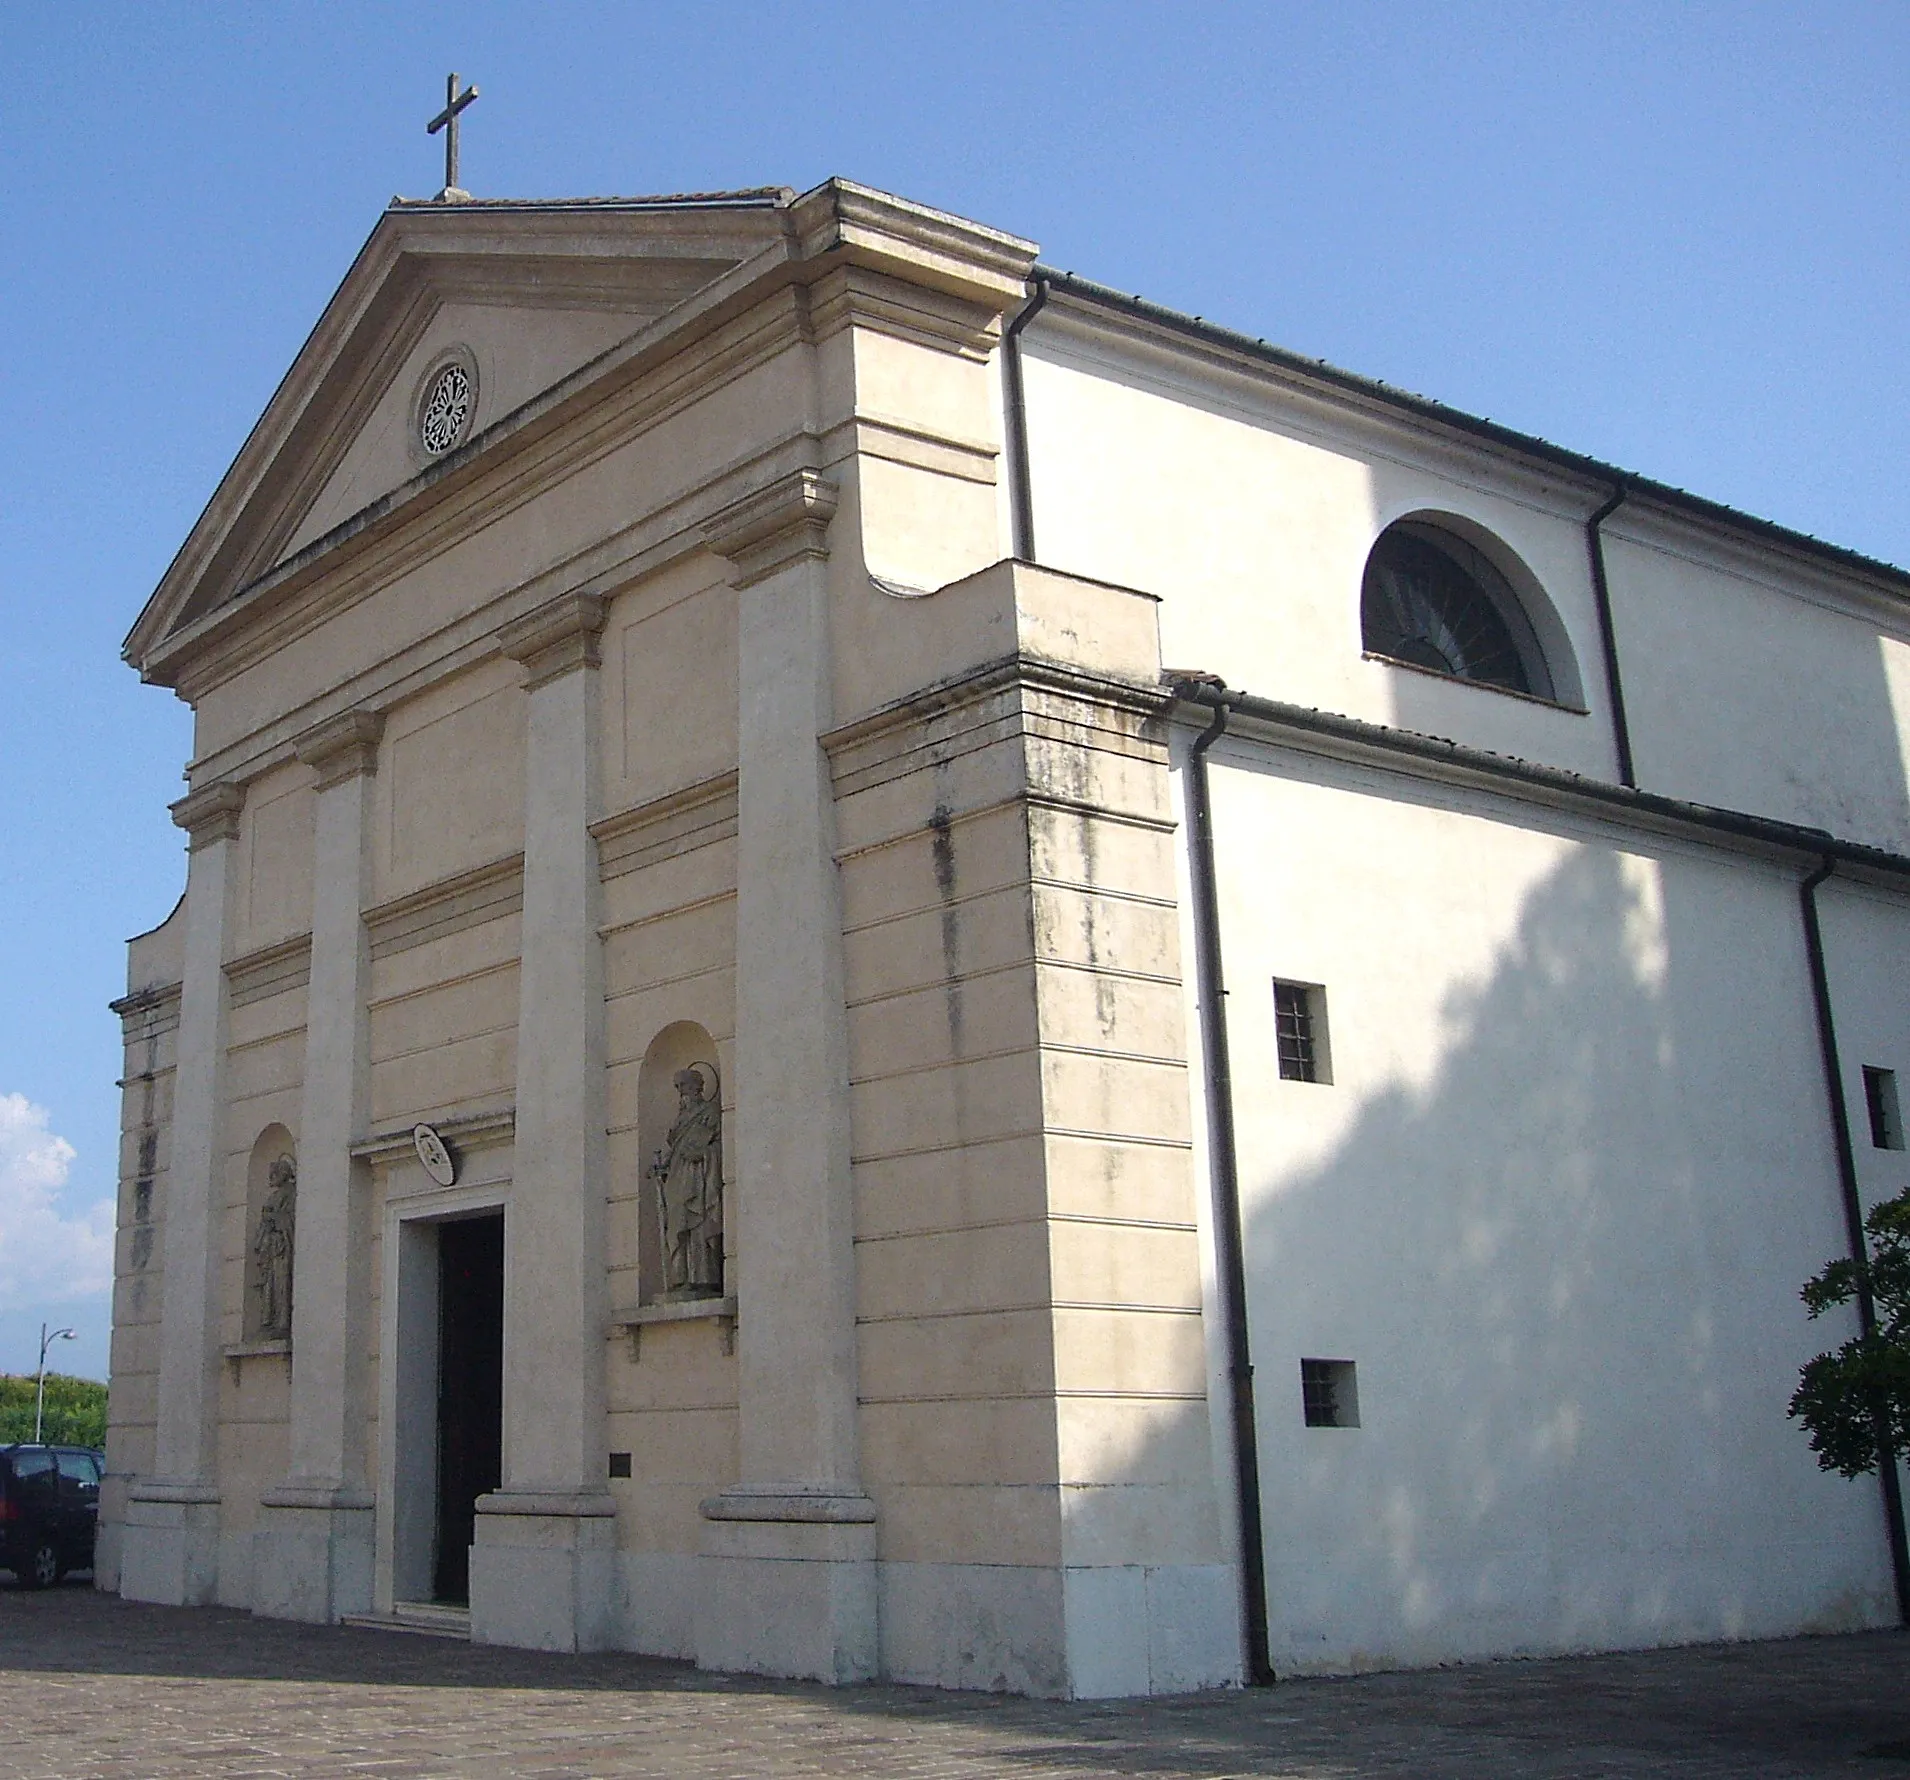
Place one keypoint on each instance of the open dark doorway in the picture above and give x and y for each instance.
(470, 1390)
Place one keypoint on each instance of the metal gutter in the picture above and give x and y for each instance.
(1228, 1237)
(1021, 487)
(1529, 445)
(1608, 637)
(1649, 808)
(1853, 1207)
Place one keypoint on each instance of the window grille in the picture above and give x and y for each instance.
(1433, 601)
(1329, 1394)
(1296, 1032)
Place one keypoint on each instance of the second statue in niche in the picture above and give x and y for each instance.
(688, 1171)
(272, 1251)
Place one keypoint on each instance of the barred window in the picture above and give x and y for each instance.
(1299, 1031)
(1329, 1394)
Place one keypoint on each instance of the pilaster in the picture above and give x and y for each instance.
(789, 1572)
(544, 1561)
(171, 1540)
(313, 1557)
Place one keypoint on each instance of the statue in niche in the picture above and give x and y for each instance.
(688, 1171)
(272, 1251)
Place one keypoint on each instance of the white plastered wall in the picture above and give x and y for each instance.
(1556, 1203)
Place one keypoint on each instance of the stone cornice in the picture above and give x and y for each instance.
(464, 1132)
(341, 747)
(928, 247)
(210, 814)
(766, 531)
(147, 1003)
(557, 638)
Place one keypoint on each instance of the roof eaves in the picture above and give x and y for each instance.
(1530, 444)
(756, 197)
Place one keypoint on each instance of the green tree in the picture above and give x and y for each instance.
(75, 1409)
(1856, 1400)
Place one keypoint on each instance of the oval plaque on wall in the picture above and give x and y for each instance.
(434, 1154)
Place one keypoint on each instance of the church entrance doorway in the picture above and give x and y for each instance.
(470, 1394)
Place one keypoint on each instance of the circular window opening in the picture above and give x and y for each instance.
(1433, 601)
(445, 408)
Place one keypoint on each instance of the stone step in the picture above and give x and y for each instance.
(429, 1619)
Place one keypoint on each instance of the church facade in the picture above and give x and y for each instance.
(892, 967)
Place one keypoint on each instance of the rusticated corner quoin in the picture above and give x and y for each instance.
(765, 532)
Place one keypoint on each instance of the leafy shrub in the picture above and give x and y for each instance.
(1857, 1398)
(75, 1409)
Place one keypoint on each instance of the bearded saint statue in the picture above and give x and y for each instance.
(688, 1171)
(272, 1250)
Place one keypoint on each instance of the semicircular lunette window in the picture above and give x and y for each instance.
(1433, 601)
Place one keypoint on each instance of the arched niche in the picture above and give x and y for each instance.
(271, 1235)
(1442, 593)
(681, 1238)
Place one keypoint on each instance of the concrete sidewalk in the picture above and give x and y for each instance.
(93, 1686)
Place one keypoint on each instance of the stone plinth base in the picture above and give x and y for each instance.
(312, 1554)
(788, 1587)
(169, 1546)
(544, 1571)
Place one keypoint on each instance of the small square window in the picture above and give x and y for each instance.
(1886, 1118)
(1299, 1032)
(619, 1464)
(1329, 1394)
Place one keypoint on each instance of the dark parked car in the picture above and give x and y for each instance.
(49, 1508)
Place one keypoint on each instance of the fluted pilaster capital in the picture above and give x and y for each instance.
(211, 813)
(556, 638)
(784, 523)
(341, 747)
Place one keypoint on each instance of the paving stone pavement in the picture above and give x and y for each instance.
(91, 1686)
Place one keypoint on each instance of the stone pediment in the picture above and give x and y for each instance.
(546, 309)
(519, 296)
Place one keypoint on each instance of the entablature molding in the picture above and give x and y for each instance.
(861, 297)
(678, 822)
(145, 1011)
(771, 528)
(651, 543)
(270, 970)
(483, 1128)
(489, 892)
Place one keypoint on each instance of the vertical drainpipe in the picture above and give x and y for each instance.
(1608, 637)
(1854, 1221)
(1021, 488)
(1226, 1177)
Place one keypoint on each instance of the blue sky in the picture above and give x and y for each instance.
(1673, 237)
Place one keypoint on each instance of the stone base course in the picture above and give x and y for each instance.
(93, 1686)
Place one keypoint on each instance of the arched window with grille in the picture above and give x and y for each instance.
(1433, 600)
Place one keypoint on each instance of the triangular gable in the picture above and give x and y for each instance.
(528, 292)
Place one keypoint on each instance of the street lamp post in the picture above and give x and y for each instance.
(39, 1399)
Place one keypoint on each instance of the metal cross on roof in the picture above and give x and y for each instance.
(447, 121)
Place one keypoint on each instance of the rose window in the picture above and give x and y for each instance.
(446, 412)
